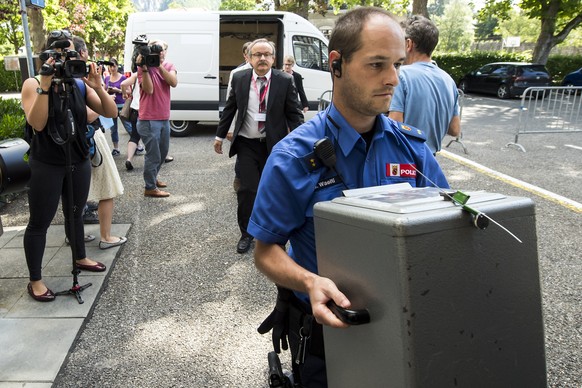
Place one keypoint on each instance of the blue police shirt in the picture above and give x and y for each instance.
(294, 179)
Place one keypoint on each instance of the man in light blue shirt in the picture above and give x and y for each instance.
(427, 96)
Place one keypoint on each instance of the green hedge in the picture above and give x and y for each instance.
(12, 121)
(458, 65)
(455, 64)
(10, 81)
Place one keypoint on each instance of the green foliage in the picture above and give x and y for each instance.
(10, 27)
(238, 5)
(560, 65)
(486, 28)
(12, 121)
(9, 80)
(100, 24)
(397, 7)
(458, 65)
(455, 27)
(520, 25)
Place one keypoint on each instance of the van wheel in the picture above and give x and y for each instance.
(180, 128)
(503, 91)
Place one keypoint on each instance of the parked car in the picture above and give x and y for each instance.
(573, 79)
(505, 79)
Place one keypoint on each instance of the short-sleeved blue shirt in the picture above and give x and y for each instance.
(294, 179)
(428, 99)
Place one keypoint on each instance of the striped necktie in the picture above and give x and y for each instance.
(262, 81)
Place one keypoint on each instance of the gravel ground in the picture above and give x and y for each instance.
(181, 307)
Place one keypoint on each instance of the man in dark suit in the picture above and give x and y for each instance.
(267, 105)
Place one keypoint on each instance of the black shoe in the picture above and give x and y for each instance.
(244, 244)
(128, 165)
(90, 218)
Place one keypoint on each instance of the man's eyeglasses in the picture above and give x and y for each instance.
(60, 33)
(260, 55)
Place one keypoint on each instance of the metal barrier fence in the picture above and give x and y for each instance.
(549, 110)
(458, 138)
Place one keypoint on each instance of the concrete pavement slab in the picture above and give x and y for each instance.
(34, 349)
(35, 338)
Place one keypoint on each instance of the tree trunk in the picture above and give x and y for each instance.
(548, 38)
(36, 27)
(419, 7)
(302, 8)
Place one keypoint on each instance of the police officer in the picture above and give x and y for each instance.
(366, 50)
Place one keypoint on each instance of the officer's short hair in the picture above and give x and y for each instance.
(346, 35)
(423, 32)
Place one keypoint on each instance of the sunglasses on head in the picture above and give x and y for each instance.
(60, 33)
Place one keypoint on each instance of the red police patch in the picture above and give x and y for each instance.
(401, 170)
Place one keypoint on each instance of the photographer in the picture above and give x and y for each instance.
(54, 103)
(113, 85)
(155, 76)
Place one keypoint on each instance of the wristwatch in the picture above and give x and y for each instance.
(39, 90)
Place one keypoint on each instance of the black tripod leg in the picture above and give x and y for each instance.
(76, 289)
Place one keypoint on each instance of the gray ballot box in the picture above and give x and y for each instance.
(450, 305)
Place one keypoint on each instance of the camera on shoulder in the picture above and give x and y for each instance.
(150, 54)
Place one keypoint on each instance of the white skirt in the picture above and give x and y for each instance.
(105, 180)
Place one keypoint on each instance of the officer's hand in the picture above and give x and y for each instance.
(320, 292)
(229, 136)
(218, 146)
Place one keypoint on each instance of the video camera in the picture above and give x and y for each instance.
(64, 67)
(101, 63)
(150, 55)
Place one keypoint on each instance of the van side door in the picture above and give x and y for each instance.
(311, 61)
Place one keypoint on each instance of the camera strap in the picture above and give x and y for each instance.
(63, 132)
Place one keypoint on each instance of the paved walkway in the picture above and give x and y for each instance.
(36, 337)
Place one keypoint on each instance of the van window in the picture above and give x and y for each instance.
(310, 53)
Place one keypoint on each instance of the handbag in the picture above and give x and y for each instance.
(94, 153)
(125, 111)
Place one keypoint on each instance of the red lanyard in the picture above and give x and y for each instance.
(262, 98)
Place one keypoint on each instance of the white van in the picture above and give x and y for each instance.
(206, 46)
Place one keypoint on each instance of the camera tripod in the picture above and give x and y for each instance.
(64, 93)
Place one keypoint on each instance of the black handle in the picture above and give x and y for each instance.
(351, 317)
(210, 77)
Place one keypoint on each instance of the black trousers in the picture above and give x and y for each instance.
(134, 136)
(252, 155)
(48, 183)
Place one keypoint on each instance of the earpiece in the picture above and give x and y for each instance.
(336, 66)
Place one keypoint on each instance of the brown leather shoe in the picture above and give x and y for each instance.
(156, 193)
(161, 184)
